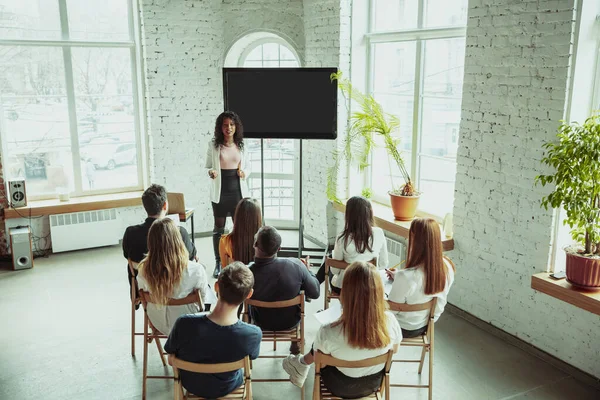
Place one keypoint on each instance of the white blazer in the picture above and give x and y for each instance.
(213, 161)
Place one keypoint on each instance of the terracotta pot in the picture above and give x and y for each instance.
(583, 272)
(404, 207)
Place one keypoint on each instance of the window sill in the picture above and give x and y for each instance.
(384, 218)
(562, 290)
(77, 204)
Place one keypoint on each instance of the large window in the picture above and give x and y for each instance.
(415, 70)
(68, 96)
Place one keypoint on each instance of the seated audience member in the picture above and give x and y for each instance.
(135, 239)
(167, 274)
(277, 279)
(364, 330)
(218, 337)
(238, 245)
(427, 274)
(359, 241)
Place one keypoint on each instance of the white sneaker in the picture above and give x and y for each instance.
(295, 369)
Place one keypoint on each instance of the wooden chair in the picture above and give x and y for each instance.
(320, 392)
(340, 264)
(294, 335)
(244, 392)
(151, 333)
(426, 341)
(135, 302)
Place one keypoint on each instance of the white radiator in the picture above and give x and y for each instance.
(84, 230)
(396, 252)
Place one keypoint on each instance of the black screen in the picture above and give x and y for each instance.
(284, 103)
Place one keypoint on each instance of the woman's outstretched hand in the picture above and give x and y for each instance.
(241, 174)
(212, 173)
(391, 273)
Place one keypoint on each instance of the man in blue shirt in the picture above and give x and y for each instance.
(218, 337)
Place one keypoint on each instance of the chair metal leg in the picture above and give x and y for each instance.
(302, 393)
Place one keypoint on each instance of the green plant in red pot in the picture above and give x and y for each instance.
(575, 159)
(367, 122)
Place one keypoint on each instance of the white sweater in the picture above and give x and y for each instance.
(213, 161)
(350, 254)
(409, 287)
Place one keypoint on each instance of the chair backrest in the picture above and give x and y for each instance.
(322, 360)
(403, 307)
(176, 203)
(193, 297)
(298, 300)
(133, 266)
(212, 368)
(341, 264)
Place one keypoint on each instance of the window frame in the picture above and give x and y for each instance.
(419, 35)
(65, 44)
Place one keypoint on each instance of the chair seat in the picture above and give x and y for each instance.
(326, 394)
(237, 394)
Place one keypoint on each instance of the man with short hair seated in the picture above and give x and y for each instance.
(135, 239)
(218, 337)
(278, 279)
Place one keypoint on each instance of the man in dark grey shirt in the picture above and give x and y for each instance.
(277, 279)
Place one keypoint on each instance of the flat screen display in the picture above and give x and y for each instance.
(283, 103)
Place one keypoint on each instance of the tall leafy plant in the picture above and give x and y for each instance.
(367, 122)
(575, 158)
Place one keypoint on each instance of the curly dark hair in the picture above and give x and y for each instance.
(238, 136)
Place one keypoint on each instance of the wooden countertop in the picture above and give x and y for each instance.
(38, 208)
(563, 290)
(384, 218)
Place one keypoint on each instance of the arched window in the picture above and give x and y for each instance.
(280, 156)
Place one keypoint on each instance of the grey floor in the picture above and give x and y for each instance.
(65, 335)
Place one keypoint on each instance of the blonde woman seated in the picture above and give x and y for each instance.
(364, 330)
(428, 274)
(167, 273)
(239, 244)
(359, 241)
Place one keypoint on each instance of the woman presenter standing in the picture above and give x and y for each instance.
(226, 168)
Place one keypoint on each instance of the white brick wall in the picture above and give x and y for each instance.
(184, 48)
(327, 32)
(516, 74)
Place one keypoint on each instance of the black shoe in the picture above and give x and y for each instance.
(217, 270)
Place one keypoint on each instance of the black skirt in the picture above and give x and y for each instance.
(231, 194)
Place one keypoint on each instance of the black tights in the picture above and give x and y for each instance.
(218, 230)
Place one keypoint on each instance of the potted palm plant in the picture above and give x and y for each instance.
(365, 124)
(575, 159)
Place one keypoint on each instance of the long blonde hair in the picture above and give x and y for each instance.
(425, 250)
(363, 319)
(167, 257)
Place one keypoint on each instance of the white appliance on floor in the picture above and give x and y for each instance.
(84, 230)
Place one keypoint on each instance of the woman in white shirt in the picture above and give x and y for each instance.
(359, 241)
(226, 167)
(364, 330)
(166, 273)
(428, 274)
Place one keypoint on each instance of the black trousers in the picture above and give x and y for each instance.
(413, 333)
(343, 386)
(321, 278)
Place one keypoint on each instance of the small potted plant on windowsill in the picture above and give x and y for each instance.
(369, 121)
(575, 158)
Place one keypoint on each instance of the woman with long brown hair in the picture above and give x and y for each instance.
(239, 244)
(359, 241)
(364, 330)
(427, 274)
(167, 273)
